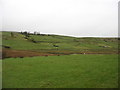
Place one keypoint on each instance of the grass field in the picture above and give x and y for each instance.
(67, 71)
(0, 74)
(55, 61)
(19, 42)
(41, 45)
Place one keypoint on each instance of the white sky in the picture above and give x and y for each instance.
(67, 17)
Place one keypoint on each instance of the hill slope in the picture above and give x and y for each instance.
(44, 44)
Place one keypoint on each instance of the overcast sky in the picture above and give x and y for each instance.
(67, 17)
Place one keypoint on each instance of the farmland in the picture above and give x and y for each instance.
(55, 61)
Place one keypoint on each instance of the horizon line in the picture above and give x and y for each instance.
(65, 34)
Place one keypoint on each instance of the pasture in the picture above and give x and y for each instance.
(16, 44)
(65, 71)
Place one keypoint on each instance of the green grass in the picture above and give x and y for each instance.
(68, 71)
(18, 42)
(0, 74)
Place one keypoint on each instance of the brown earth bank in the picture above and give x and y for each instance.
(8, 53)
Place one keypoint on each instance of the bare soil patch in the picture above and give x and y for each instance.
(21, 53)
(7, 53)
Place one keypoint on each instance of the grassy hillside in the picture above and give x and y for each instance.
(59, 65)
(68, 71)
(56, 44)
(64, 42)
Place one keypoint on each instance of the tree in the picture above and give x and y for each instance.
(35, 33)
(26, 34)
